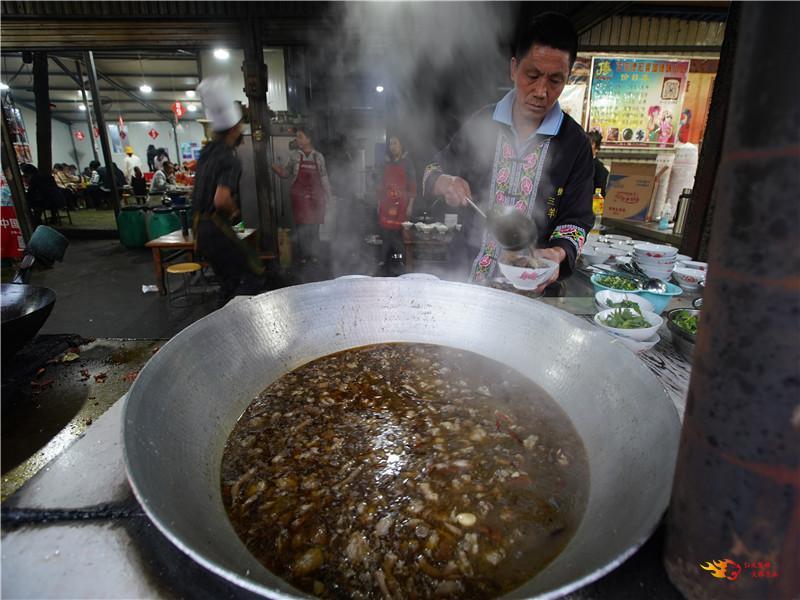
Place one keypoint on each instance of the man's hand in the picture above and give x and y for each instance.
(556, 254)
(454, 189)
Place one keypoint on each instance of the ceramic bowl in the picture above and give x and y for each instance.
(640, 335)
(602, 297)
(689, 279)
(610, 251)
(693, 264)
(647, 260)
(682, 257)
(660, 301)
(526, 278)
(617, 238)
(657, 272)
(637, 346)
(646, 249)
(591, 257)
(599, 286)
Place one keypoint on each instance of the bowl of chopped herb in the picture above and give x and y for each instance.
(616, 283)
(628, 323)
(682, 324)
(606, 299)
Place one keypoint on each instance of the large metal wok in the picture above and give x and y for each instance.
(24, 310)
(187, 398)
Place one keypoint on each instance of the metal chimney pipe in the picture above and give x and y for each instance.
(736, 494)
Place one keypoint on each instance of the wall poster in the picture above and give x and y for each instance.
(636, 102)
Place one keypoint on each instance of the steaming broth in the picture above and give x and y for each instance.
(405, 471)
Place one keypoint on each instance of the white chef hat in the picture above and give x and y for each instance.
(221, 110)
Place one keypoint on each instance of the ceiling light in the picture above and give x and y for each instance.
(145, 89)
(81, 107)
(221, 54)
(379, 89)
(191, 107)
(3, 86)
(190, 93)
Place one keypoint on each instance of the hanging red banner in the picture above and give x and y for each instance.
(178, 109)
(121, 123)
(79, 136)
(153, 133)
(96, 132)
(122, 135)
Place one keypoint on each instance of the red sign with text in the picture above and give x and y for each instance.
(153, 133)
(79, 136)
(178, 109)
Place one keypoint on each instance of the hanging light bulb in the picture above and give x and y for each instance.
(3, 86)
(379, 89)
(190, 93)
(145, 89)
(221, 54)
(82, 107)
(191, 107)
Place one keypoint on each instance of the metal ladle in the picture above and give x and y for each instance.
(649, 284)
(513, 230)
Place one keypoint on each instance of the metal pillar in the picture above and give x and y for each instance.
(15, 182)
(737, 484)
(88, 111)
(101, 125)
(177, 146)
(255, 81)
(44, 127)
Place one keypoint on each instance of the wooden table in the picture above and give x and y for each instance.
(176, 244)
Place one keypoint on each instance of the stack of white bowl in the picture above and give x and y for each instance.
(656, 260)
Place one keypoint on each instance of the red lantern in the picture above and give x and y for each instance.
(178, 109)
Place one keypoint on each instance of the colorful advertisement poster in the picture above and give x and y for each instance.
(636, 102)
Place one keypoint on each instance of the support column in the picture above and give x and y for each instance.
(88, 110)
(15, 182)
(41, 91)
(255, 82)
(101, 125)
(736, 495)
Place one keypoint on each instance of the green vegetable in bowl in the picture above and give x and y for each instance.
(624, 318)
(618, 283)
(624, 304)
(686, 321)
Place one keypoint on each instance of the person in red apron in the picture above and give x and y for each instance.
(309, 193)
(396, 198)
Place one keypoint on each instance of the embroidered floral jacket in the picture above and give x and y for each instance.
(550, 180)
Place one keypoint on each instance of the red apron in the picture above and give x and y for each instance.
(308, 195)
(394, 196)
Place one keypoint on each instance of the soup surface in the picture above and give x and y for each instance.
(404, 471)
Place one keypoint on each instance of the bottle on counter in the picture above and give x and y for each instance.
(663, 223)
(682, 211)
(597, 208)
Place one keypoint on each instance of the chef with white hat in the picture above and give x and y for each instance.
(237, 266)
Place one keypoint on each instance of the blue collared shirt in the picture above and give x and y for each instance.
(549, 125)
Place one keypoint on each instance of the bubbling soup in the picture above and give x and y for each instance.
(404, 471)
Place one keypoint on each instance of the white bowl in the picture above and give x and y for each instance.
(693, 264)
(682, 257)
(689, 279)
(646, 249)
(526, 278)
(640, 335)
(618, 238)
(601, 297)
(657, 273)
(610, 251)
(591, 257)
(649, 260)
(637, 346)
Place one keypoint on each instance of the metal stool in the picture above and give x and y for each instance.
(185, 269)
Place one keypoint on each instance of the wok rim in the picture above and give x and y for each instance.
(266, 592)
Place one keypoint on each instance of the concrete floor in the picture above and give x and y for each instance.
(99, 294)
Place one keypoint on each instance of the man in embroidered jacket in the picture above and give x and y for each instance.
(526, 153)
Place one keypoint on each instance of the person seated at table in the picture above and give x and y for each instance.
(163, 178)
(67, 184)
(105, 182)
(41, 193)
(139, 186)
